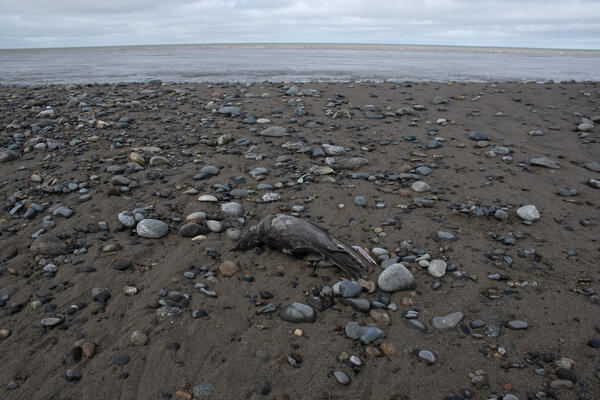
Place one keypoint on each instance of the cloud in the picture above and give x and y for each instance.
(520, 23)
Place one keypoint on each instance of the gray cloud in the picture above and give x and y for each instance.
(519, 23)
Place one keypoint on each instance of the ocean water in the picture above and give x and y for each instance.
(295, 63)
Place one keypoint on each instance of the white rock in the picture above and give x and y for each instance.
(396, 277)
(437, 268)
(207, 198)
(420, 186)
(528, 213)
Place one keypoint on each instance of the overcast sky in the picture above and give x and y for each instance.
(513, 23)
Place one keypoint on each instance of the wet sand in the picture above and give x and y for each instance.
(499, 270)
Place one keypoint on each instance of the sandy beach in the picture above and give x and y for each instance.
(122, 203)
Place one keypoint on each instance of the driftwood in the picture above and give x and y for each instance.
(302, 238)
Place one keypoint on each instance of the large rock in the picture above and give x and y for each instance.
(396, 277)
(48, 245)
(152, 228)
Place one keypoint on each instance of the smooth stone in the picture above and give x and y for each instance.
(442, 236)
(138, 338)
(370, 334)
(228, 268)
(192, 229)
(420, 186)
(352, 163)
(122, 359)
(342, 377)
(298, 312)
(437, 268)
(528, 213)
(127, 219)
(214, 226)
(396, 277)
(593, 166)
(196, 216)
(585, 127)
(51, 321)
(270, 197)
(360, 201)
(517, 324)
(48, 245)
(544, 162)
(158, 160)
(168, 312)
(347, 289)
(332, 150)
(274, 131)
(232, 209)
(427, 357)
(561, 384)
(207, 198)
(7, 155)
(479, 136)
(447, 321)
(72, 376)
(152, 229)
(361, 305)
(101, 294)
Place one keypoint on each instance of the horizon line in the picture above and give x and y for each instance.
(324, 44)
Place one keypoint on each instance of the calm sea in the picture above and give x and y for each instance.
(297, 63)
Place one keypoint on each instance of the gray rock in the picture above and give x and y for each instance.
(274, 131)
(48, 245)
(51, 321)
(501, 215)
(561, 384)
(168, 312)
(232, 209)
(501, 150)
(593, 166)
(347, 289)
(126, 218)
(437, 268)
(447, 321)
(152, 228)
(360, 201)
(62, 211)
(138, 338)
(443, 236)
(544, 162)
(427, 357)
(214, 226)
(353, 330)
(192, 229)
(361, 305)
(101, 294)
(298, 312)
(7, 155)
(528, 213)
(370, 334)
(204, 389)
(352, 163)
(341, 377)
(259, 171)
(396, 277)
(270, 197)
(517, 324)
(332, 150)
(585, 127)
(440, 100)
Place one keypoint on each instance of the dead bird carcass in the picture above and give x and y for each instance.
(302, 238)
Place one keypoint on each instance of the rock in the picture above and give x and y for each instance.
(341, 377)
(204, 389)
(517, 324)
(122, 359)
(347, 289)
(271, 197)
(585, 127)
(396, 277)
(528, 213)
(594, 343)
(443, 236)
(595, 183)
(501, 215)
(157, 160)
(332, 150)
(228, 268)
(361, 305)
(214, 226)
(152, 229)
(544, 162)
(298, 312)
(192, 229)
(48, 245)
(51, 321)
(420, 186)
(232, 209)
(88, 349)
(360, 201)
(274, 131)
(447, 321)
(137, 158)
(440, 100)
(593, 166)
(138, 338)
(341, 113)
(207, 198)
(437, 268)
(370, 334)
(101, 294)
(352, 163)
(127, 219)
(387, 349)
(7, 156)
(72, 376)
(427, 357)
(561, 384)
(478, 136)
(196, 216)
(168, 312)
(5, 333)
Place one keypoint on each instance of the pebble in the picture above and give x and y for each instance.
(232, 209)
(347, 289)
(447, 321)
(517, 324)
(228, 268)
(342, 377)
(360, 201)
(544, 162)
(122, 359)
(48, 245)
(214, 226)
(427, 357)
(420, 186)
(443, 236)
(298, 312)
(561, 384)
(437, 268)
(274, 131)
(192, 229)
(528, 213)
(396, 277)
(152, 229)
(138, 338)
(72, 376)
